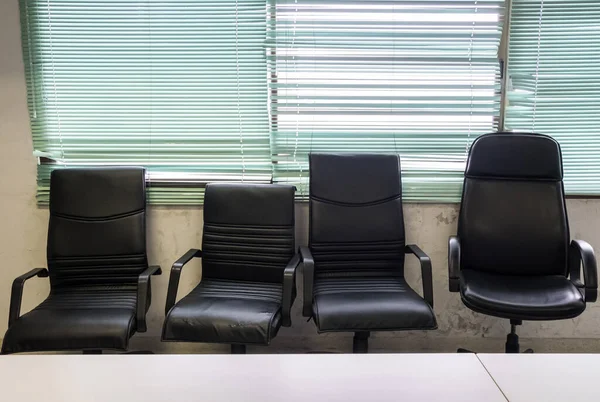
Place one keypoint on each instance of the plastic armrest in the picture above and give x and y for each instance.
(289, 290)
(308, 271)
(581, 254)
(426, 272)
(454, 263)
(17, 292)
(143, 295)
(176, 273)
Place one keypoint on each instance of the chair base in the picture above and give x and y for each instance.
(512, 340)
(360, 342)
(238, 349)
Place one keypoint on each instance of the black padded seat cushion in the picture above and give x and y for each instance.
(384, 303)
(226, 311)
(549, 297)
(96, 317)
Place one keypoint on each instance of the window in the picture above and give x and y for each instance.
(177, 86)
(199, 91)
(419, 78)
(555, 78)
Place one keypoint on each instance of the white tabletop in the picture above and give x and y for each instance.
(261, 378)
(545, 377)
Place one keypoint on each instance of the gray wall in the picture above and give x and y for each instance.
(173, 230)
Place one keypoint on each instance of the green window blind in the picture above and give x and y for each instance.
(554, 54)
(419, 78)
(179, 87)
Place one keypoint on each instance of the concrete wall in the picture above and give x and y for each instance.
(172, 231)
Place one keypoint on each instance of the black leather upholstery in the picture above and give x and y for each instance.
(511, 255)
(358, 245)
(514, 156)
(96, 253)
(227, 311)
(97, 232)
(369, 303)
(248, 232)
(540, 297)
(356, 218)
(248, 239)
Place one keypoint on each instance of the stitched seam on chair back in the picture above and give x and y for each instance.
(356, 285)
(359, 256)
(71, 271)
(246, 252)
(241, 290)
(92, 297)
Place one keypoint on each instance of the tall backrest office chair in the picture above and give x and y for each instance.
(248, 269)
(512, 257)
(354, 265)
(99, 274)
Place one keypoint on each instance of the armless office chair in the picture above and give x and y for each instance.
(99, 274)
(248, 269)
(512, 257)
(354, 265)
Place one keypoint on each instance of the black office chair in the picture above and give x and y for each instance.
(354, 265)
(512, 258)
(248, 269)
(99, 275)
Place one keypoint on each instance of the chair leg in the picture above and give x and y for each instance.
(361, 342)
(512, 339)
(238, 349)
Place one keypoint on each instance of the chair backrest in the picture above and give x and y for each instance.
(513, 218)
(356, 219)
(97, 230)
(248, 231)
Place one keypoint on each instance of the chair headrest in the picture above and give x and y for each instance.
(515, 156)
(354, 178)
(249, 204)
(97, 192)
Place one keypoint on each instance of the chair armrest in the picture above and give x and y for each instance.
(176, 273)
(142, 295)
(16, 295)
(308, 271)
(289, 290)
(582, 254)
(454, 263)
(426, 273)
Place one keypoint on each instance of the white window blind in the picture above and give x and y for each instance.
(179, 87)
(419, 78)
(555, 77)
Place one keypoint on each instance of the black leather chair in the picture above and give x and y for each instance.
(99, 275)
(354, 265)
(248, 269)
(512, 257)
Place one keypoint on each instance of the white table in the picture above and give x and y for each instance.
(260, 378)
(545, 377)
